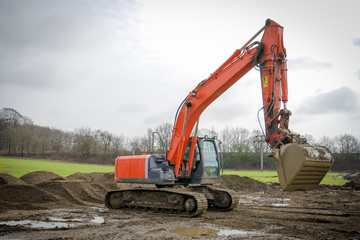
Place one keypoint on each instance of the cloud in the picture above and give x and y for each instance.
(356, 42)
(341, 100)
(308, 63)
(358, 74)
(56, 43)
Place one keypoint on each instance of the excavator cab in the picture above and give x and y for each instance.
(206, 161)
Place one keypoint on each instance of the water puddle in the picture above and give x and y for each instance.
(280, 204)
(38, 224)
(54, 223)
(214, 233)
(98, 220)
(196, 232)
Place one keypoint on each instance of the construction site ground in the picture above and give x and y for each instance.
(43, 205)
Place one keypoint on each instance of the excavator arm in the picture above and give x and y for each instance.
(201, 97)
(288, 149)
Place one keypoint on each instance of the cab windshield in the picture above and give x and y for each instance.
(211, 162)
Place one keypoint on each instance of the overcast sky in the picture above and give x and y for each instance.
(125, 66)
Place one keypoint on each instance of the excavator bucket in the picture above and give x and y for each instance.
(301, 167)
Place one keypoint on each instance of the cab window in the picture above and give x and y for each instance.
(211, 163)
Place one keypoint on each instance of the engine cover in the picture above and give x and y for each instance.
(143, 169)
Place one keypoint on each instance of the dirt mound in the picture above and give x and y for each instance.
(93, 177)
(87, 177)
(47, 190)
(75, 191)
(97, 180)
(6, 178)
(353, 181)
(39, 177)
(238, 183)
(24, 197)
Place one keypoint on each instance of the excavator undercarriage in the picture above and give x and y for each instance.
(188, 201)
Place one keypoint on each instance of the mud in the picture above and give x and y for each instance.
(43, 205)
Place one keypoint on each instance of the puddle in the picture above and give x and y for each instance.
(214, 233)
(196, 232)
(232, 232)
(280, 204)
(98, 220)
(38, 224)
(54, 223)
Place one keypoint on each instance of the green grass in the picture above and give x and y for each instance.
(271, 176)
(20, 166)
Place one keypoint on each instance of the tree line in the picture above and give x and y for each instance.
(240, 148)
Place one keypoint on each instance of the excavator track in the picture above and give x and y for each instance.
(219, 199)
(220, 194)
(175, 201)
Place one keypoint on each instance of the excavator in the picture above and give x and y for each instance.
(187, 176)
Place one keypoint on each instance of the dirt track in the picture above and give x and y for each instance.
(43, 205)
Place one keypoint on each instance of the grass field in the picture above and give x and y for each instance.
(20, 166)
(271, 176)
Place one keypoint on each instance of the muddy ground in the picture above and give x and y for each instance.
(43, 205)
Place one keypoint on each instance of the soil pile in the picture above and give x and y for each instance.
(97, 180)
(353, 181)
(16, 194)
(47, 190)
(6, 178)
(73, 191)
(246, 184)
(39, 177)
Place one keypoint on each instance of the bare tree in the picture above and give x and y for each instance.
(226, 139)
(240, 139)
(327, 142)
(165, 131)
(84, 142)
(104, 140)
(347, 144)
(13, 117)
(208, 132)
(135, 145)
(118, 145)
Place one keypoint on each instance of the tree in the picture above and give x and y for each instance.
(226, 139)
(13, 117)
(327, 142)
(347, 144)
(135, 146)
(104, 140)
(240, 141)
(14, 134)
(84, 142)
(23, 136)
(165, 131)
(118, 145)
(208, 132)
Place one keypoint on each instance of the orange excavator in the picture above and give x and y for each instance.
(187, 177)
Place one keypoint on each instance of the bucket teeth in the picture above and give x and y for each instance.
(301, 167)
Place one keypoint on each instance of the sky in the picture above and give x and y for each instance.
(125, 66)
